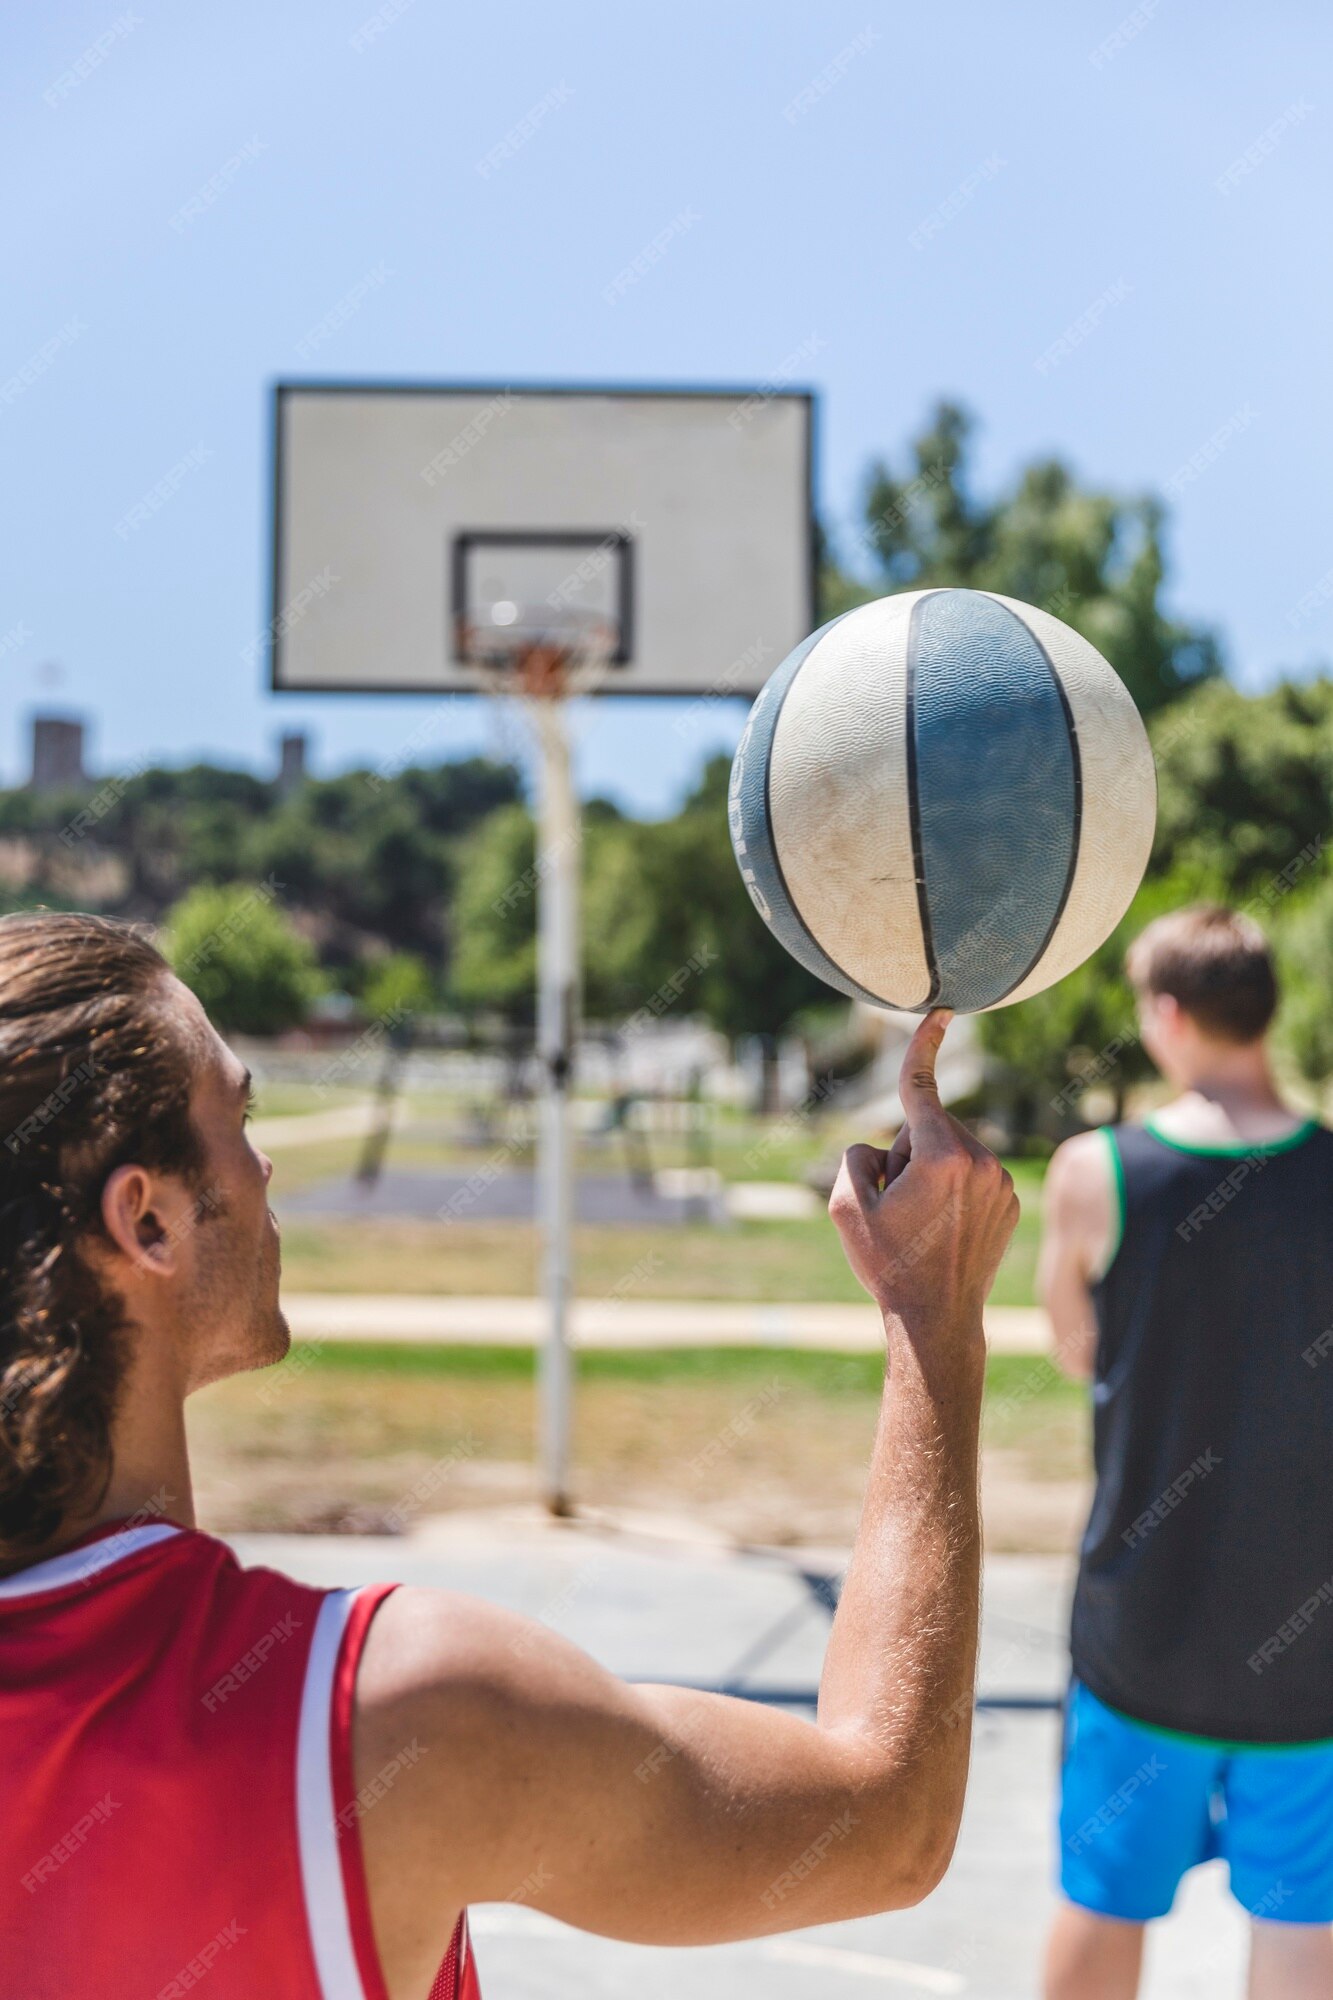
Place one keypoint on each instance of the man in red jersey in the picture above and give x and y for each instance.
(190, 1748)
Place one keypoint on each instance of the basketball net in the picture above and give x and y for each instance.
(524, 676)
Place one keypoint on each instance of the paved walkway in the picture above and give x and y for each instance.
(521, 1322)
(659, 1600)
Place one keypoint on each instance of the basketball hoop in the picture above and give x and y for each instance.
(531, 663)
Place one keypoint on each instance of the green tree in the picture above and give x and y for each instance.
(1092, 558)
(494, 966)
(1245, 784)
(1081, 1034)
(398, 987)
(236, 950)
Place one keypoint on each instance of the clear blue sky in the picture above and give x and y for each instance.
(1102, 184)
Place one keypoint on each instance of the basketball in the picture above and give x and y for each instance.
(944, 798)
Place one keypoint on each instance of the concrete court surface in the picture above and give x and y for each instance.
(652, 1600)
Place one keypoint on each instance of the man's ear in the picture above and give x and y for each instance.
(138, 1215)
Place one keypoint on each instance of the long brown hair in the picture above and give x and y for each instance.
(94, 1074)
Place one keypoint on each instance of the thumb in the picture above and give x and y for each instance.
(917, 1088)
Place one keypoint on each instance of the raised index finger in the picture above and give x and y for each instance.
(917, 1087)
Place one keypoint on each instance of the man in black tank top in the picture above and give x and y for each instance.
(1187, 1268)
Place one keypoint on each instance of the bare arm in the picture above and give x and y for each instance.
(1077, 1238)
(658, 1814)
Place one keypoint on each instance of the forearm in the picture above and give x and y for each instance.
(900, 1670)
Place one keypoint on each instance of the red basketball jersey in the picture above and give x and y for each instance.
(180, 1807)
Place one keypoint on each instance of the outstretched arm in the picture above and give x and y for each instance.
(663, 1815)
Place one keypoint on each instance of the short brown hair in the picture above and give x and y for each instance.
(1215, 963)
(93, 1075)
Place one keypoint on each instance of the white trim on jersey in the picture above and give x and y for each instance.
(82, 1565)
(321, 1864)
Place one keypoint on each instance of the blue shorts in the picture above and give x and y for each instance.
(1140, 1806)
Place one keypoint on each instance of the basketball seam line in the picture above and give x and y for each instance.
(1076, 837)
(875, 999)
(913, 803)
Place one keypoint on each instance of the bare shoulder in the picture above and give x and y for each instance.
(460, 1662)
(1078, 1191)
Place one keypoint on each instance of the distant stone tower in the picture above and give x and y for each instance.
(291, 767)
(57, 754)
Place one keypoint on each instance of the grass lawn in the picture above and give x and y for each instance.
(766, 1261)
(766, 1445)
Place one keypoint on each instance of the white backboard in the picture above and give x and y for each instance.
(682, 518)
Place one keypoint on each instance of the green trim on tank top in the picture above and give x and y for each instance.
(1237, 1152)
(1118, 1179)
(1220, 1742)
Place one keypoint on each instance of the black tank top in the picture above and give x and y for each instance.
(1204, 1600)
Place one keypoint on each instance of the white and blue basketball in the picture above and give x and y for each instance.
(943, 799)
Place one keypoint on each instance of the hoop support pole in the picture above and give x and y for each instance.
(558, 846)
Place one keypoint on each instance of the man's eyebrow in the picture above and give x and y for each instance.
(245, 1086)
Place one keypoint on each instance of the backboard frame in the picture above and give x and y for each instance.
(735, 393)
(548, 538)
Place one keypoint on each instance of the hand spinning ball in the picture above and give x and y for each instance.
(945, 798)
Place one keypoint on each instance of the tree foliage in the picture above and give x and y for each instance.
(1092, 558)
(234, 948)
